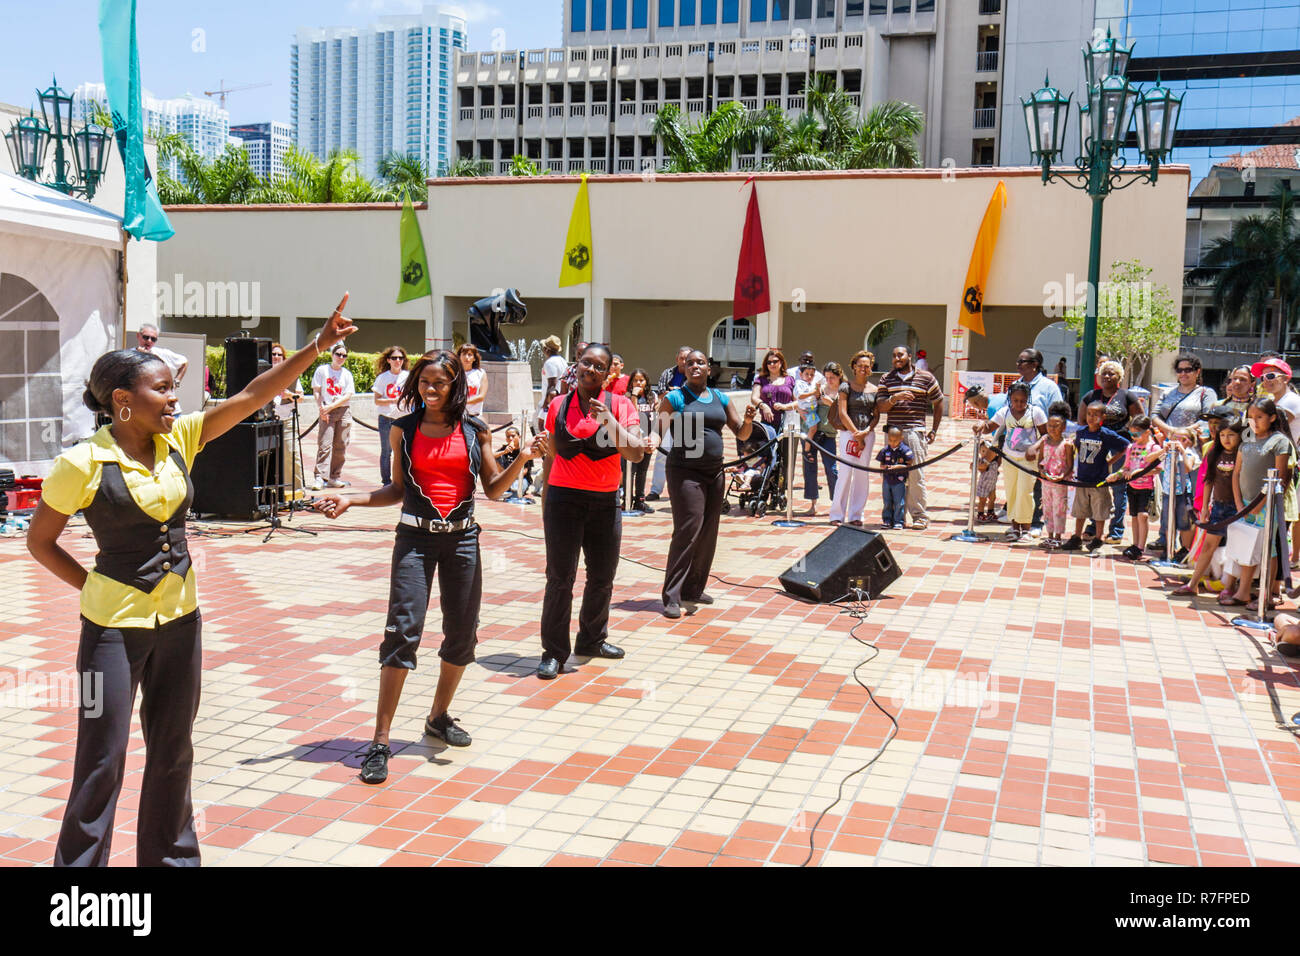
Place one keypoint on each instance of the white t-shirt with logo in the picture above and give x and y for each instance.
(333, 384)
(476, 389)
(1290, 403)
(388, 385)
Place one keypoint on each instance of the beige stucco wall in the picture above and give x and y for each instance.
(665, 254)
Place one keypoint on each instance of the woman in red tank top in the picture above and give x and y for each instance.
(438, 452)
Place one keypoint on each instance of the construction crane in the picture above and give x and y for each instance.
(222, 90)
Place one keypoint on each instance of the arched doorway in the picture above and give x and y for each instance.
(887, 335)
(31, 383)
(731, 345)
(572, 336)
(1057, 341)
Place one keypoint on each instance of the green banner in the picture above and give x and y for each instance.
(415, 267)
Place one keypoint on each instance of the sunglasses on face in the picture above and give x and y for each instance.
(397, 358)
(1269, 376)
(1024, 361)
(149, 338)
(277, 355)
(1184, 371)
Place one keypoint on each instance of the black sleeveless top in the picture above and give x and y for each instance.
(568, 446)
(135, 549)
(697, 430)
(414, 501)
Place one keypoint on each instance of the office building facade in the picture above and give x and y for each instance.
(1237, 62)
(266, 145)
(591, 104)
(377, 89)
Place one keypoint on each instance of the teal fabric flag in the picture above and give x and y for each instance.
(142, 215)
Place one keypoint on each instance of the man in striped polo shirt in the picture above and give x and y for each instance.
(906, 395)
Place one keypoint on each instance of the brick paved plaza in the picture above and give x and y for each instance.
(1054, 709)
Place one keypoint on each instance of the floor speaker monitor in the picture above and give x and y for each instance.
(848, 559)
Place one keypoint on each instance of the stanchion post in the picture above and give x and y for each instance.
(969, 535)
(1265, 560)
(628, 510)
(792, 439)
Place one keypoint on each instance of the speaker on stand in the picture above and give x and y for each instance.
(849, 559)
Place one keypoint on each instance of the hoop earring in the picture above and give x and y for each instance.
(125, 413)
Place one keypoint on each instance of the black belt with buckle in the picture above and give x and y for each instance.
(436, 525)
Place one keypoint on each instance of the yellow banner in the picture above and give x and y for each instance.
(577, 265)
(977, 276)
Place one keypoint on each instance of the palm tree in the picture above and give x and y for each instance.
(886, 139)
(467, 167)
(222, 181)
(403, 175)
(307, 179)
(521, 165)
(711, 145)
(1258, 264)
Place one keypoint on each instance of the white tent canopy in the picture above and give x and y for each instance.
(60, 301)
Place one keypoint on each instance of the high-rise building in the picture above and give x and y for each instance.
(1237, 65)
(201, 121)
(592, 103)
(266, 144)
(377, 89)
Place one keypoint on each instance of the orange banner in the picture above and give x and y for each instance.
(977, 276)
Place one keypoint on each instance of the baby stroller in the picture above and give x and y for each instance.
(759, 484)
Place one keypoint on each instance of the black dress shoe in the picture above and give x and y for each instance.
(673, 610)
(702, 599)
(653, 496)
(641, 506)
(603, 649)
(374, 768)
(548, 668)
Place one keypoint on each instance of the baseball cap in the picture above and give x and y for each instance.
(1223, 412)
(1259, 368)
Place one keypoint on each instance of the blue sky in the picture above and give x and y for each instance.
(246, 41)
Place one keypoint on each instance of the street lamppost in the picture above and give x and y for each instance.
(1104, 123)
(29, 140)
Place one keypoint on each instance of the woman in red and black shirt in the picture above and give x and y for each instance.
(581, 512)
(440, 451)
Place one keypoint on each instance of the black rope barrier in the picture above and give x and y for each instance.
(894, 471)
(753, 454)
(1222, 526)
(1075, 484)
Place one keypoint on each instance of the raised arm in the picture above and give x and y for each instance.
(261, 390)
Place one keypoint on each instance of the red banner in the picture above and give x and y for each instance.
(751, 274)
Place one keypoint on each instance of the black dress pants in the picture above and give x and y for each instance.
(165, 662)
(697, 504)
(590, 522)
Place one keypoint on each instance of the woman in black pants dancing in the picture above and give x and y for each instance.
(140, 621)
(696, 485)
(439, 452)
(590, 430)
(638, 390)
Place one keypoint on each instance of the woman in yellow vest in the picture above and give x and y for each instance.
(140, 623)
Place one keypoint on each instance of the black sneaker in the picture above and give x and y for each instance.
(1181, 555)
(445, 728)
(1156, 547)
(374, 768)
(1132, 552)
(641, 506)
(1074, 544)
(653, 496)
(1095, 544)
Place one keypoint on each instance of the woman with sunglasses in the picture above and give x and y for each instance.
(773, 388)
(1179, 416)
(140, 621)
(441, 452)
(391, 378)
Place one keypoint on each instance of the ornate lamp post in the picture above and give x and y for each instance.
(1104, 123)
(30, 137)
